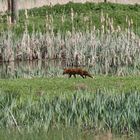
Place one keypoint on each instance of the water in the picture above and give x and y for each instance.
(63, 134)
(31, 69)
(36, 68)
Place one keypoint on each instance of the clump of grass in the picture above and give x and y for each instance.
(100, 112)
(81, 87)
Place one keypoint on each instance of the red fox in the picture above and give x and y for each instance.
(78, 71)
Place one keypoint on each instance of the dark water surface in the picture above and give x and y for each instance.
(31, 69)
(36, 68)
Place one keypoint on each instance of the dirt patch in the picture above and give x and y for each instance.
(81, 86)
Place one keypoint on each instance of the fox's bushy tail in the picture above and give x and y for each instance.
(89, 75)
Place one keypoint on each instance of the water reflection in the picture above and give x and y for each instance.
(34, 68)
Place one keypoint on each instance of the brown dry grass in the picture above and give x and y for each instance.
(81, 86)
(27, 4)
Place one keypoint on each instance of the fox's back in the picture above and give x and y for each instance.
(73, 71)
(76, 71)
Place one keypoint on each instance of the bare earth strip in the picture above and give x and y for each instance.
(27, 4)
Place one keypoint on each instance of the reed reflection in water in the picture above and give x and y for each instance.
(29, 69)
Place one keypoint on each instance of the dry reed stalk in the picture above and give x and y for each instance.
(110, 48)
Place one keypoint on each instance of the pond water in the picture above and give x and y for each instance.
(31, 68)
(36, 68)
(67, 134)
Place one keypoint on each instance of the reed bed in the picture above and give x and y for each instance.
(28, 4)
(109, 49)
(110, 53)
(95, 112)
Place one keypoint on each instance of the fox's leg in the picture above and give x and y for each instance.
(74, 75)
(69, 75)
(85, 76)
(82, 76)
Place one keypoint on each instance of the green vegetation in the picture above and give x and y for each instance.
(53, 134)
(95, 105)
(64, 86)
(63, 133)
(99, 111)
(83, 16)
(101, 37)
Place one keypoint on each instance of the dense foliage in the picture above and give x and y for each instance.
(98, 111)
(84, 15)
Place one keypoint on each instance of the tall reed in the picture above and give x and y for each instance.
(109, 49)
(98, 112)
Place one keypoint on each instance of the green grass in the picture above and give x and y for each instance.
(53, 134)
(66, 134)
(59, 86)
(94, 105)
(91, 11)
(98, 112)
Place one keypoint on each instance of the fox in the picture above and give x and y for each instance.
(76, 71)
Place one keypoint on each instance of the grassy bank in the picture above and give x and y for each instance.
(96, 113)
(81, 16)
(64, 86)
(94, 105)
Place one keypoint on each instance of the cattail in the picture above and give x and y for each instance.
(119, 28)
(102, 17)
(131, 22)
(72, 14)
(102, 29)
(26, 14)
(86, 18)
(62, 19)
